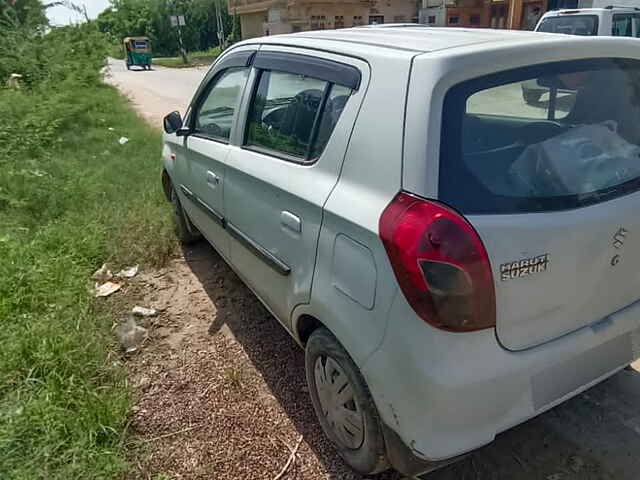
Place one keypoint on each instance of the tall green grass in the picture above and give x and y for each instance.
(71, 198)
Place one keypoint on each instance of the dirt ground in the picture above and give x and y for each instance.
(220, 392)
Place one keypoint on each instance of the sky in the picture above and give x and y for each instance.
(63, 16)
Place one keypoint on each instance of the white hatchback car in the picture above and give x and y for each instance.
(453, 260)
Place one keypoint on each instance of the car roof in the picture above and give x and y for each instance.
(586, 11)
(402, 37)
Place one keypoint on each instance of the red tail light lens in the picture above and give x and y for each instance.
(440, 263)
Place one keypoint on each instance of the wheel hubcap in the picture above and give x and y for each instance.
(338, 403)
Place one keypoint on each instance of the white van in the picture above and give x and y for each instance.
(611, 20)
(616, 21)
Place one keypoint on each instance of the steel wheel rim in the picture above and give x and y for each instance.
(338, 403)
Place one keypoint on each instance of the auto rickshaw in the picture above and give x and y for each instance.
(138, 52)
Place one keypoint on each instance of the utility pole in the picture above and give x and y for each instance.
(183, 52)
(178, 22)
(220, 24)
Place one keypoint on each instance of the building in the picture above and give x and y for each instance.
(512, 14)
(271, 17)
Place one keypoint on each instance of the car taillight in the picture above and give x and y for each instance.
(440, 263)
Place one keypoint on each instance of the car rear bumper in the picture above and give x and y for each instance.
(445, 394)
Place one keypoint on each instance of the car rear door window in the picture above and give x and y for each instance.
(217, 106)
(294, 115)
(622, 25)
(578, 145)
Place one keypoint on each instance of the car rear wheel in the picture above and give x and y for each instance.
(343, 404)
(186, 232)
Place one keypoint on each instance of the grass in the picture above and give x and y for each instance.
(206, 57)
(70, 200)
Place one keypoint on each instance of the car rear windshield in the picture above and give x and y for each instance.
(570, 25)
(549, 137)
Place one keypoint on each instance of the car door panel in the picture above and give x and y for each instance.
(278, 262)
(273, 209)
(206, 160)
(204, 151)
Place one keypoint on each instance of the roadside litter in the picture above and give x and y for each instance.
(144, 312)
(14, 81)
(102, 274)
(123, 140)
(107, 289)
(128, 272)
(130, 335)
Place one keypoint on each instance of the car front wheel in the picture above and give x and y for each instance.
(343, 404)
(186, 232)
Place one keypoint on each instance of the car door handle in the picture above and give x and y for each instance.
(291, 221)
(212, 179)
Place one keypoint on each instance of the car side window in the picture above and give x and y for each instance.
(294, 114)
(622, 26)
(216, 110)
(636, 24)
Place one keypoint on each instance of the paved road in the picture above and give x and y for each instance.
(157, 92)
(593, 436)
(162, 90)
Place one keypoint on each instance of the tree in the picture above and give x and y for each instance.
(24, 12)
(152, 18)
(127, 18)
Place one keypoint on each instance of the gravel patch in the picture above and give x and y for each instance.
(220, 393)
(219, 387)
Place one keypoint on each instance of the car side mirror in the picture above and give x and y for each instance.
(173, 122)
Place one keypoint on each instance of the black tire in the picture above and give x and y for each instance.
(370, 457)
(128, 66)
(186, 232)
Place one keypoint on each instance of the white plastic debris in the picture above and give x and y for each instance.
(123, 140)
(130, 335)
(14, 81)
(107, 289)
(111, 129)
(128, 272)
(144, 312)
(102, 274)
